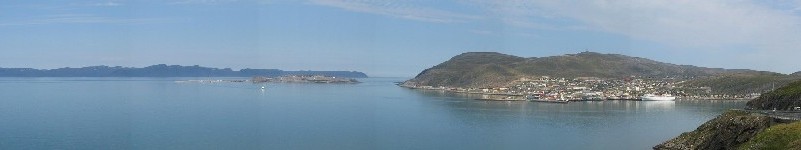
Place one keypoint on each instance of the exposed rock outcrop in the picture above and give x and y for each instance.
(727, 131)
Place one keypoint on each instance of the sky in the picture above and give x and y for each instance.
(393, 38)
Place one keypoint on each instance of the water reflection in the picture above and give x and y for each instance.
(464, 107)
(658, 105)
(372, 115)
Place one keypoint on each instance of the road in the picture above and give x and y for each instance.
(778, 114)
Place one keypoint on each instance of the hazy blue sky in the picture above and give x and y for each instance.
(393, 38)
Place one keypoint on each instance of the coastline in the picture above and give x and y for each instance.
(512, 95)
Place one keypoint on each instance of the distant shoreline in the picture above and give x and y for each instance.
(162, 70)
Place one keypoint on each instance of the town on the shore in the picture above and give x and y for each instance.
(590, 89)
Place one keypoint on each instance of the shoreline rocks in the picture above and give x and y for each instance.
(727, 131)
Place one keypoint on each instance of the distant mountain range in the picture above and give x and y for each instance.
(491, 69)
(163, 70)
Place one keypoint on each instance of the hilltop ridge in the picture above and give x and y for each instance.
(471, 69)
(492, 69)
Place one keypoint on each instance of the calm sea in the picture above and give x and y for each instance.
(157, 113)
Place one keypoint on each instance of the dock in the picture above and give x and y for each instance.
(499, 99)
(624, 99)
(503, 94)
(518, 99)
(548, 101)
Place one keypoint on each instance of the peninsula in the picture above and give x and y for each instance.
(591, 75)
(163, 70)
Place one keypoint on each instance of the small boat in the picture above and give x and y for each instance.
(652, 97)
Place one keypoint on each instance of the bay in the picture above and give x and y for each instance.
(158, 113)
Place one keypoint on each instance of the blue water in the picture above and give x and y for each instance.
(157, 113)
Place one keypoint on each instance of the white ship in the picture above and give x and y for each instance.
(652, 97)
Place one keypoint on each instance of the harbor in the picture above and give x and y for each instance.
(549, 89)
(488, 96)
(553, 100)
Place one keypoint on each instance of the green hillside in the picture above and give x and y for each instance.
(476, 69)
(743, 83)
(784, 98)
(782, 136)
(490, 69)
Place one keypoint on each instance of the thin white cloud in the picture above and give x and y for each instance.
(758, 32)
(107, 3)
(81, 19)
(98, 3)
(481, 32)
(765, 35)
(397, 9)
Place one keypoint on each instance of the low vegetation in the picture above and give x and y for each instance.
(742, 83)
(741, 130)
(783, 136)
(727, 131)
(784, 98)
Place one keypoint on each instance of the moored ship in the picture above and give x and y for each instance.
(652, 97)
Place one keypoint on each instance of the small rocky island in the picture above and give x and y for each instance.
(769, 122)
(304, 79)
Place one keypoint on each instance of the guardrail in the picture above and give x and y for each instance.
(778, 114)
